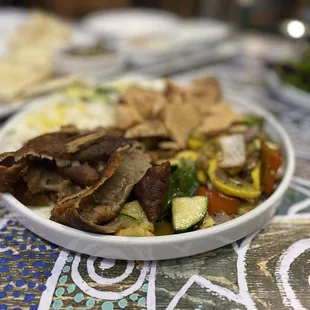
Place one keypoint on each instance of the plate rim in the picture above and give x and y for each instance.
(176, 238)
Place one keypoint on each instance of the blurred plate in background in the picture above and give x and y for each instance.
(125, 24)
(195, 33)
(286, 93)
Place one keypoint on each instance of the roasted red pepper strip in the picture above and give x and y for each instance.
(272, 161)
(219, 202)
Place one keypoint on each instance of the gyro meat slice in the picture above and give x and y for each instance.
(60, 163)
(91, 208)
(152, 190)
(81, 174)
(11, 171)
(22, 193)
(102, 149)
(43, 179)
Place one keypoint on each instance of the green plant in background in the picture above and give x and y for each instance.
(296, 72)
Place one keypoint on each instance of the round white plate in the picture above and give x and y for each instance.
(197, 32)
(287, 93)
(165, 247)
(124, 24)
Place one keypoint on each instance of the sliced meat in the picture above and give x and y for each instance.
(22, 193)
(85, 141)
(47, 166)
(83, 175)
(102, 149)
(90, 138)
(180, 119)
(69, 129)
(67, 210)
(41, 179)
(134, 163)
(62, 145)
(152, 190)
(11, 172)
(51, 145)
(152, 128)
(91, 208)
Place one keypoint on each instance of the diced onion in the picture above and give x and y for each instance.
(233, 147)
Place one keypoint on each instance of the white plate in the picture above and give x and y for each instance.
(165, 247)
(123, 24)
(289, 94)
(197, 32)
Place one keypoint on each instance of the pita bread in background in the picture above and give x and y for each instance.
(51, 85)
(15, 78)
(41, 29)
(29, 62)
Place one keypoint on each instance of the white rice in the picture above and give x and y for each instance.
(50, 116)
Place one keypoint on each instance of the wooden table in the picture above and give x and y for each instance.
(267, 270)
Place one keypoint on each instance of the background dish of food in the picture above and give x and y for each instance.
(147, 50)
(168, 246)
(192, 35)
(95, 60)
